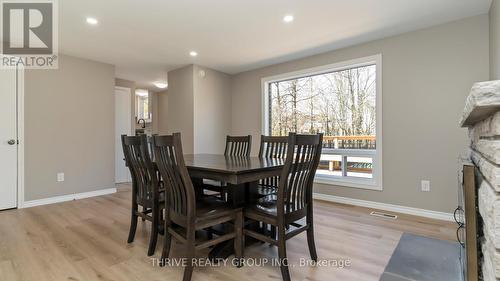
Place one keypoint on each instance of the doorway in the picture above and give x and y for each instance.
(123, 126)
(8, 138)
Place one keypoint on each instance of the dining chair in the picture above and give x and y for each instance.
(146, 188)
(274, 147)
(185, 214)
(271, 147)
(293, 201)
(236, 146)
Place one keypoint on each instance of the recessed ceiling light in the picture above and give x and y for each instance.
(193, 53)
(92, 21)
(161, 85)
(288, 18)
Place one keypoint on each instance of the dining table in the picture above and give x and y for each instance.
(241, 175)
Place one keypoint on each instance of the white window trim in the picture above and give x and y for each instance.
(376, 182)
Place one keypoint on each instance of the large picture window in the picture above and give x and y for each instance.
(343, 102)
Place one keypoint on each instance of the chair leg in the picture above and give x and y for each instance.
(190, 255)
(273, 233)
(154, 231)
(161, 217)
(144, 209)
(310, 242)
(168, 239)
(133, 225)
(285, 273)
(238, 240)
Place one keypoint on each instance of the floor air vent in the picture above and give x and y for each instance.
(384, 215)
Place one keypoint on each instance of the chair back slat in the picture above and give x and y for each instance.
(272, 147)
(150, 147)
(137, 158)
(238, 145)
(295, 187)
(170, 161)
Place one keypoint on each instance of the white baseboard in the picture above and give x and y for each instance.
(331, 198)
(69, 197)
(386, 207)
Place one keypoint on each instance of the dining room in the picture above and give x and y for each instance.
(249, 140)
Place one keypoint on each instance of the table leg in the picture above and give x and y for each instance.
(238, 195)
(198, 187)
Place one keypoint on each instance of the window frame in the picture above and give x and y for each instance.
(375, 183)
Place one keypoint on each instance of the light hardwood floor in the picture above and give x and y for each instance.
(86, 240)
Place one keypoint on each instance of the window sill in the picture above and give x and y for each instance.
(349, 182)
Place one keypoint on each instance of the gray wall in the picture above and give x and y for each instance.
(180, 110)
(495, 40)
(154, 111)
(212, 114)
(427, 75)
(162, 113)
(198, 107)
(69, 127)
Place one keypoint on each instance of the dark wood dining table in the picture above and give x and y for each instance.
(240, 173)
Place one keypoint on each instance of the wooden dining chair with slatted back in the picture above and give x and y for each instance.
(185, 214)
(151, 155)
(146, 190)
(293, 201)
(273, 147)
(236, 146)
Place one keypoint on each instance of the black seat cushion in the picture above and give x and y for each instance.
(266, 204)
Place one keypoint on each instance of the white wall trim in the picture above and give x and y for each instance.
(130, 129)
(386, 207)
(69, 197)
(20, 136)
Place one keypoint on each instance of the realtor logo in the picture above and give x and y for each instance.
(29, 34)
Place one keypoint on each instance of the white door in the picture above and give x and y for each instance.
(8, 139)
(123, 126)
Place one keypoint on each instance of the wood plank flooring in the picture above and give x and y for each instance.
(85, 240)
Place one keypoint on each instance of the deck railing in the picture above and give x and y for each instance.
(348, 155)
(349, 142)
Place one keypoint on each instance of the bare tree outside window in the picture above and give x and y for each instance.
(340, 104)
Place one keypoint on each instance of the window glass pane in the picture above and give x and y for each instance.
(339, 104)
(360, 167)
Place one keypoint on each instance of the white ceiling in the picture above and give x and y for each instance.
(147, 38)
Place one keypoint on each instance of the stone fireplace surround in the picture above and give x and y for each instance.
(482, 116)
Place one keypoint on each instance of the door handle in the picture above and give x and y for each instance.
(12, 142)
